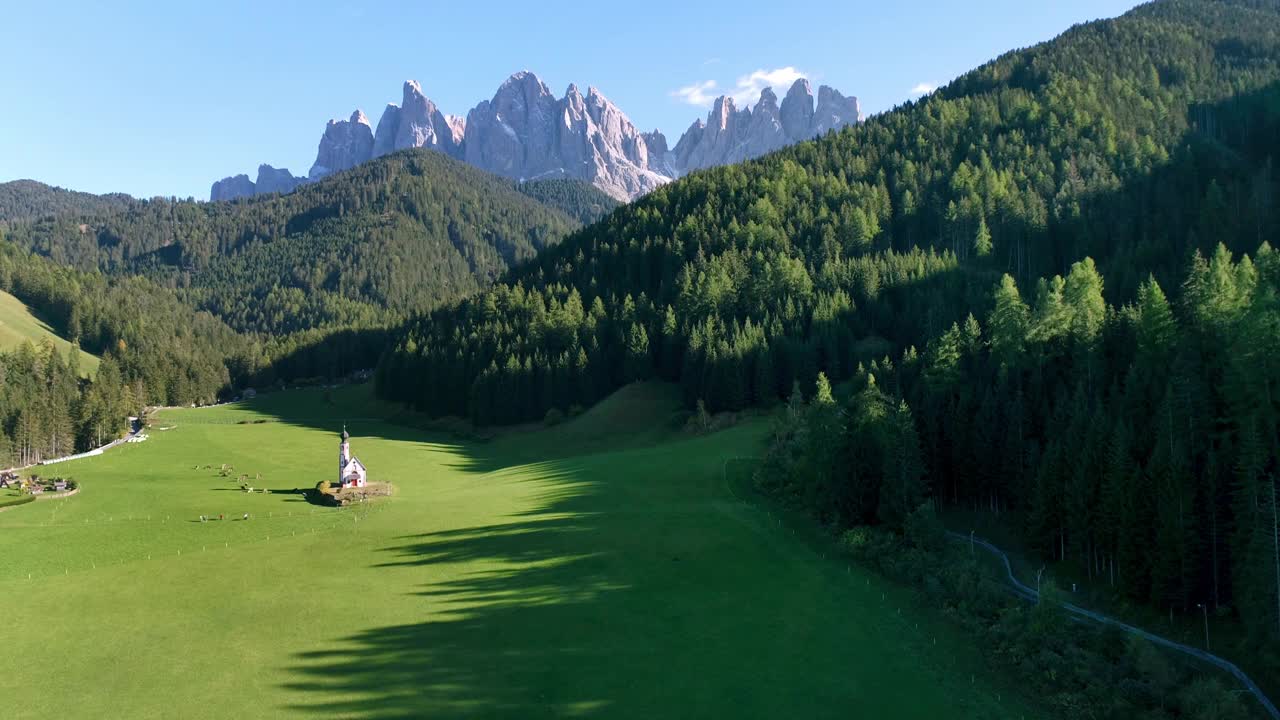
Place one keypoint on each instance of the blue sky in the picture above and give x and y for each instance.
(164, 98)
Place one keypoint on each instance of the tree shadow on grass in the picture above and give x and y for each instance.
(292, 495)
(580, 604)
(514, 628)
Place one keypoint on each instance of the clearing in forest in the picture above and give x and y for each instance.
(19, 325)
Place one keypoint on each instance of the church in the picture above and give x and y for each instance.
(351, 472)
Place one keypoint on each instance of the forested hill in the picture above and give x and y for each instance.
(22, 200)
(402, 233)
(1133, 141)
(155, 350)
(580, 200)
(1143, 143)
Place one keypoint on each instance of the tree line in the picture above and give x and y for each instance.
(1139, 442)
(48, 410)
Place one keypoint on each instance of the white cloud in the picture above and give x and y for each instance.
(700, 94)
(745, 92)
(923, 88)
(780, 79)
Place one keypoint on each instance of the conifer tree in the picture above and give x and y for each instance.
(982, 240)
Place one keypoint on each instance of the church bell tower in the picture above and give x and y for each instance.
(344, 452)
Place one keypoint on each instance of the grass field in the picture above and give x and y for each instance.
(18, 325)
(602, 568)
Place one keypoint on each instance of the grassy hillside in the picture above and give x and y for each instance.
(614, 574)
(18, 325)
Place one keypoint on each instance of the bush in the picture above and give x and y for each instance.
(924, 530)
(320, 495)
(553, 417)
(1206, 698)
(701, 422)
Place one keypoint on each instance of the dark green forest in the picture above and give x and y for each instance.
(1043, 266)
(188, 302)
(155, 351)
(25, 200)
(579, 200)
(362, 248)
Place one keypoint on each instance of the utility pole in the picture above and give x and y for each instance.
(1275, 538)
(1205, 609)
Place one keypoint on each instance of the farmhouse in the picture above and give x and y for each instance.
(351, 472)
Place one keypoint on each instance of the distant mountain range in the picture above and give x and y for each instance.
(526, 133)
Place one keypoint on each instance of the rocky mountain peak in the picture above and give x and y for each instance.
(522, 93)
(768, 100)
(230, 188)
(722, 112)
(345, 144)
(279, 180)
(525, 132)
(797, 111)
(834, 111)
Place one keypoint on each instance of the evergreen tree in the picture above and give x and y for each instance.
(982, 240)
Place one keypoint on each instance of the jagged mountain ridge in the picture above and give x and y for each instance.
(270, 180)
(525, 132)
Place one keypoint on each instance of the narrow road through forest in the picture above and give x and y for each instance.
(1032, 595)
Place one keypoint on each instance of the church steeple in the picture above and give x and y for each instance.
(351, 472)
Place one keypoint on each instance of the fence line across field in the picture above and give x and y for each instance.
(271, 515)
(346, 518)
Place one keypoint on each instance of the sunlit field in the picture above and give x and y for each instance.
(601, 568)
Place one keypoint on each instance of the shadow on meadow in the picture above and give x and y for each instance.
(608, 593)
(533, 623)
(637, 415)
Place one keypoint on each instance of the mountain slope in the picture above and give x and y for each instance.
(18, 326)
(403, 233)
(22, 200)
(1081, 146)
(1038, 147)
(581, 201)
(147, 338)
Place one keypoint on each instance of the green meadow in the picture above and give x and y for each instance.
(602, 568)
(18, 325)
